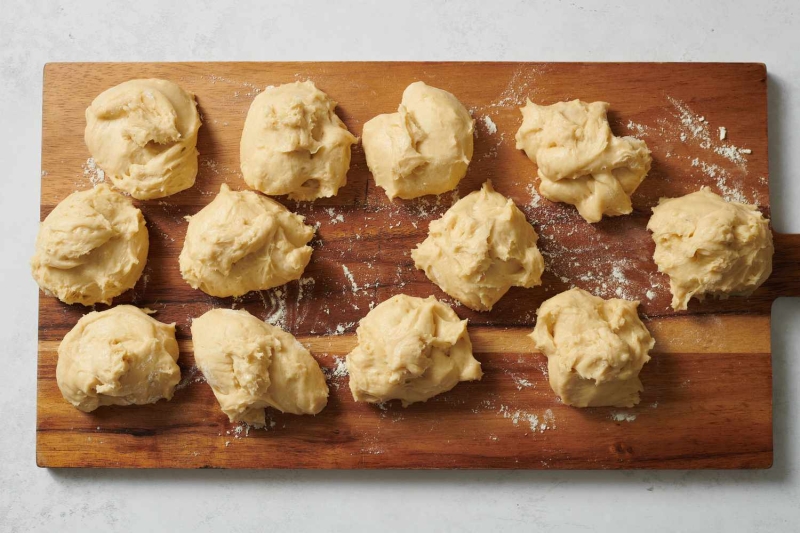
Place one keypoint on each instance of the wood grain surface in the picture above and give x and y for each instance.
(708, 389)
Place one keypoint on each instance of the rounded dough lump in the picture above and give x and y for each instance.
(91, 248)
(595, 348)
(293, 143)
(479, 249)
(709, 246)
(580, 160)
(143, 134)
(244, 242)
(252, 365)
(120, 356)
(410, 349)
(424, 148)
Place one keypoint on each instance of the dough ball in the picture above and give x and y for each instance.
(244, 242)
(580, 161)
(410, 349)
(479, 249)
(424, 148)
(91, 248)
(252, 365)
(118, 357)
(143, 134)
(709, 246)
(293, 143)
(595, 348)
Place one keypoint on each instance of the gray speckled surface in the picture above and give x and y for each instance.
(32, 33)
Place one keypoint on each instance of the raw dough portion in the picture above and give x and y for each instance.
(143, 134)
(479, 249)
(709, 246)
(410, 349)
(293, 143)
(118, 357)
(580, 161)
(91, 248)
(595, 348)
(252, 365)
(244, 242)
(424, 148)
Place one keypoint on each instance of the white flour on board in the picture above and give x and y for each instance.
(489, 124)
(190, 376)
(691, 128)
(521, 383)
(524, 418)
(93, 172)
(350, 278)
(335, 218)
(622, 416)
(337, 374)
(276, 308)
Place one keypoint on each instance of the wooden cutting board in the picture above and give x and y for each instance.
(708, 389)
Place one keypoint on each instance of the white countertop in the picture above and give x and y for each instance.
(33, 499)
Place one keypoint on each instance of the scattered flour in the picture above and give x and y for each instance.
(640, 130)
(622, 416)
(192, 375)
(520, 86)
(336, 374)
(489, 124)
(350, 278)
(342, 328)
(696, 128)
(536, 198)
(276, 307)
(93, 172)
(721, 179)
(335, 218)
(547, 421)
(521, 383)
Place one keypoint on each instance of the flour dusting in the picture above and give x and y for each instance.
(93, 172)
(622, 416)
(489, 124)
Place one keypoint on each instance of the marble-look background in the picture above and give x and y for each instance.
(35, 32)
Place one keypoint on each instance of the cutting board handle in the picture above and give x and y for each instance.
(786, 265)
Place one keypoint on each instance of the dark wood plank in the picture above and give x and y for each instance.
(707, 400)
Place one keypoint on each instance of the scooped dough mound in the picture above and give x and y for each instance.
(479, 249)
(580, 161)
(91, 248)
(410, 349)
(709, 246)
(143, 134)
(293, 143)
(252, 365)
(424, 148)
(120, 356)
(244, 242)
(595, 348)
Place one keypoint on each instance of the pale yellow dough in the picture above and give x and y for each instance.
(91, 248)
(242, 242)
(580, 161)
(118, 357)
(143, 134)
(479, 249)
(252, 365)
(410, 349)
(708, 246)
(293, 143)
(595, 348)
(424, 148)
